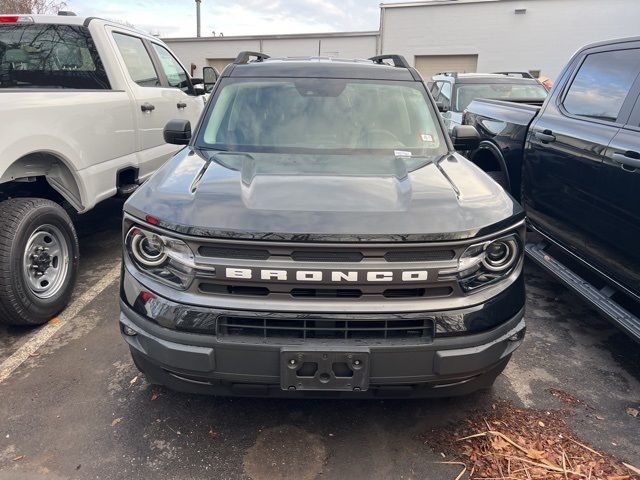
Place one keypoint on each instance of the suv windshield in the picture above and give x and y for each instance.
(49, 56)
(323, 116)
(498, 91)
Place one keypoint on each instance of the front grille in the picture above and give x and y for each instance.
(325, 272)
(420, 256)
(417, 292)
(307, 329)
(297, 292)
(327, 256)
(239, 253)
(349, 254)
(327, 292)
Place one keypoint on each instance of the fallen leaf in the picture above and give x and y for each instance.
(213, 433)
(18, 458)
(541, 423)
(599, 417)
(154, 396)
(34, 354)
(534, 454)
(634, 412)
(498, 443)
(619, 477)
(133, 380)
(116, 421)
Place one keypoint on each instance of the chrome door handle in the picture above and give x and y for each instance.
(182, 105)
(147, 107)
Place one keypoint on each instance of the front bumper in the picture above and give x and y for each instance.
(203, 363)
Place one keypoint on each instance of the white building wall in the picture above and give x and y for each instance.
(542, 39)
(198, 51)
(356, 47)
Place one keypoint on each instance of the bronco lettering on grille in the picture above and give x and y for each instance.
(332, 276)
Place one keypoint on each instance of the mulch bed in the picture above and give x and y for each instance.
(510, 443)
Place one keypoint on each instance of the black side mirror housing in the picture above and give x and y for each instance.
(209, 78)
(177, 132)
(465, 137)
(442, 107)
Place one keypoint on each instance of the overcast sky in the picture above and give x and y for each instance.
(177, 18)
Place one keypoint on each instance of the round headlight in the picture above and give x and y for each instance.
(500, 255)
(148, 249)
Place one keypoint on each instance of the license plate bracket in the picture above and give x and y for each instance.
(326, 369)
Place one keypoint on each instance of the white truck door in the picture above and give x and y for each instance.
(187, 105)
(154, 104)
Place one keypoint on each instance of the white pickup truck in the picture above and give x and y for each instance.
(83, 104)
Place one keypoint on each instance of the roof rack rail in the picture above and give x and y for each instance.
(516, 74)
(245, 57)
(448, 74)
(398, 60)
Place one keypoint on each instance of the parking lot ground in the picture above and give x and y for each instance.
(77, 407)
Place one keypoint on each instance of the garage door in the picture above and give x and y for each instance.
(219, 63)
(429, 65)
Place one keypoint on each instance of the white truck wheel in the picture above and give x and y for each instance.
(38, 260)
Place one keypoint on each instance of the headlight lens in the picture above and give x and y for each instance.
(487, 263)
(167, 259)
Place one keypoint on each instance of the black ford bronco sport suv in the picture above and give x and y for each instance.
(319, 236)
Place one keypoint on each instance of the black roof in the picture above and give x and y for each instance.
(319, 67)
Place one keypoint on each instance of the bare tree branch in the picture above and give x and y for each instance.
(31, 6)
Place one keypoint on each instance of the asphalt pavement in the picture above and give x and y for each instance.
(72, 405)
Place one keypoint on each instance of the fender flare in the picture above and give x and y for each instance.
(55, 170)
(497, 153)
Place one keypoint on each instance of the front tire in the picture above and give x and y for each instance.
(38, 260)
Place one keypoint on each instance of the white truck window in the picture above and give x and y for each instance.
(137, 60)
(49, 56)
(176, 75)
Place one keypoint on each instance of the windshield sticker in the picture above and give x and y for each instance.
(425, 137)
(401, 153)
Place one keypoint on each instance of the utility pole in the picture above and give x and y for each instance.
(198, 17)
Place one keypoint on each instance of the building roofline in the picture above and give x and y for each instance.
(434, 3)
(274, 37)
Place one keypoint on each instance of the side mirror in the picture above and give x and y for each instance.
(442, 107)
(465, 137)
(177, 132)
(209, 78)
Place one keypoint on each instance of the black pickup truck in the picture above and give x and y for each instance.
(574, 163)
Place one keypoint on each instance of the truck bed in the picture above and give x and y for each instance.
(516, 112)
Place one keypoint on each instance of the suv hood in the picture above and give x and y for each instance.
(445, 200)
